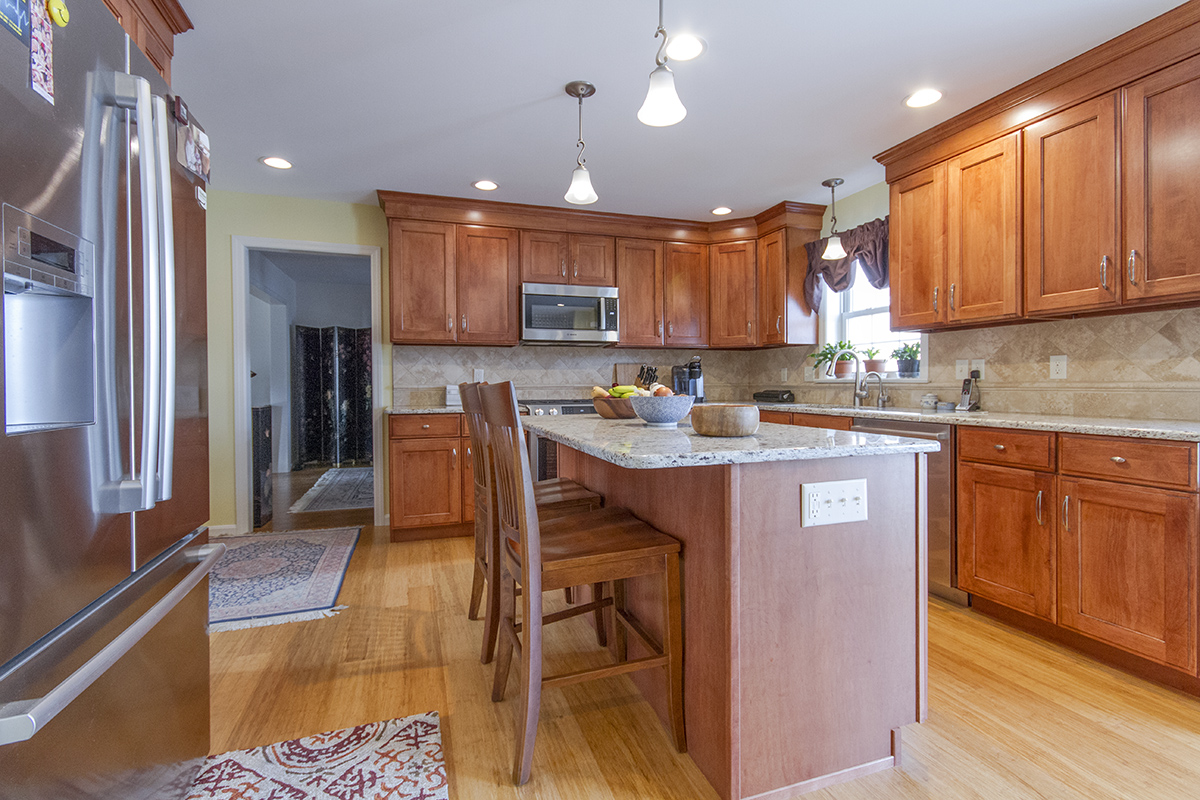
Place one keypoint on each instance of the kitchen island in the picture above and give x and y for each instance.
(804, 647)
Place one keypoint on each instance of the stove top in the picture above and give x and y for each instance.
(555, 407)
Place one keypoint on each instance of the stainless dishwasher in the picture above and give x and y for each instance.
(943, 555)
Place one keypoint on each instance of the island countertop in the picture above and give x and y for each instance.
(632, 444)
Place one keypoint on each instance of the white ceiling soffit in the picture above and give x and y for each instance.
(318, 267)
(431, 96)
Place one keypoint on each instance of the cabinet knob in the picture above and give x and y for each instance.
(425, 427)
(1000, 447)
(1118, 460)
(1133, 267)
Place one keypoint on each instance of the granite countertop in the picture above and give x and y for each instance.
(631, 444)
(1103, 426)
(429, 410)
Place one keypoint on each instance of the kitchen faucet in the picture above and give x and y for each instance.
(881, 400)
(860, 384)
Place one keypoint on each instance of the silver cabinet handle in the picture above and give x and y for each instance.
(449, 323)
(21, 719)
(1133, 267)
(1118, 460)
(576, 272)
(1066, 512)
(935, 294)
(1000, 447)
(952, 287)
(747, 327)
(1038, 509)
(468, 451)
(1104, 272)
(564, 267)
(778, 322)
(453, 458)
(463, 327)
(660, 327)
(670, 329)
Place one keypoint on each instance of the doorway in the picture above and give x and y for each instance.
(308, 384)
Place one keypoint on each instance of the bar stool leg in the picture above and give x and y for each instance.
(507, 616)
(598, 615)
(530, 704)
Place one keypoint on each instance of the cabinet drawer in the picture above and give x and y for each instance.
(1030, 449)
(780, 417)
(1153, 463)
(822, 421)
(407, 426)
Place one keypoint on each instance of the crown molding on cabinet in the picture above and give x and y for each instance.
(176, 18)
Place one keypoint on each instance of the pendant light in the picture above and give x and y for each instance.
(581, 192)
(662, 106)
(833, 249)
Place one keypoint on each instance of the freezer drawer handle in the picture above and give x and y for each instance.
(21, 719)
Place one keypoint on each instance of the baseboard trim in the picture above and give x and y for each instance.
(824, 781)
(217, 531)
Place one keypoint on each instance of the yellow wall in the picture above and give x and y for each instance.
(858, 208)
(233, 214)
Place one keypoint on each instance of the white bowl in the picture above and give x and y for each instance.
(663, 412)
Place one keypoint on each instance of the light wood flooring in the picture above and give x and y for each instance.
(288, 487)
(1010, 716)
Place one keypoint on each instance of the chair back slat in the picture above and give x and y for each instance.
(477, 430)
(517, 511)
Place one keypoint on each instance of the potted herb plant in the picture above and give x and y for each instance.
(845, 362)
(871, 363)
(908, 360)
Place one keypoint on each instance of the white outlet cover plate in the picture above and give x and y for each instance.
(1058, 367)
(981, 365)
(833, 502)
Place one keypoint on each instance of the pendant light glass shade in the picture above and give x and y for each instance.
(581, 192)
(834, 249)
(662, 106)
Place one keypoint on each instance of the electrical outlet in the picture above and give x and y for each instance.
(981, 365)
(962, 369)
(1058, 368)
(477, 375)
(783, 374)
(832, 502)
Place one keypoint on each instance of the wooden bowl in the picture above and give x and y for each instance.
(614, 407)
(724, 420)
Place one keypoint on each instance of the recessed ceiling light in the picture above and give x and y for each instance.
(276, 162)
(922, 98)
(685, 47)
(721, 211)
(486, 186)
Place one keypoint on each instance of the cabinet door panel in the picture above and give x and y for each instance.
(772, 288)
(1005, 550)
(593, 260)
(640, 287)
(983, 232)
(1161, 162)
(918, 249)
(1071, 245)
(426, 482)
(685, 294)
(422, 281)
(733, 301)
(1127, 560)
(487, 270)
(544, 257)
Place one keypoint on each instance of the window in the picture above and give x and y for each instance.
(861, 315)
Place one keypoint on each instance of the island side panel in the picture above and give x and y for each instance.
(829, 626)
(697, 506)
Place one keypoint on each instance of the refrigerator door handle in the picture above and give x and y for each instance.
(166, 238)
(21, 719)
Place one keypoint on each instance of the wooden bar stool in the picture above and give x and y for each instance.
(554, 497)
(595, 547)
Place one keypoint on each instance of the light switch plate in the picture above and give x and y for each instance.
(833, 502)
(962, 369)
(1058, 368)
(477, 375)
(981, 365)
(783, 374)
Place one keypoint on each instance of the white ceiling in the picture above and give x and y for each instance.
(430, 96)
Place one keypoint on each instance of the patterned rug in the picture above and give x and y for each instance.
(272, 578)
(400, 759)
(351, 487)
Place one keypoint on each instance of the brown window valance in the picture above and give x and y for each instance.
(868, 244)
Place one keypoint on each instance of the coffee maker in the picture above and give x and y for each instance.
(689, 379)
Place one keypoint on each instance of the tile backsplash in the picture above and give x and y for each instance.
(1144, 365)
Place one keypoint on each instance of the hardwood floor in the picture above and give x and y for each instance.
(288, 487)
(1010, 716)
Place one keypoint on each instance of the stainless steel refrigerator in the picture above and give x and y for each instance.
(104, 454)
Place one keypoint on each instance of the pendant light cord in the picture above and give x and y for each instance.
(580, 159)
(660, 58)
(832, 210)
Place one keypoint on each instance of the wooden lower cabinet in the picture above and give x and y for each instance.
(1006, 542)
(426, 482)
(822, 421)
(1127, 559)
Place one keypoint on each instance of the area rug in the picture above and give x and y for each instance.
(400, 759)
(272, 578)
(351, 487)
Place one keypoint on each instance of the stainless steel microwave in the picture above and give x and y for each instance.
(559, 314)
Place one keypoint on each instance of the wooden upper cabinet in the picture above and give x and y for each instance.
(918, 249)
(983, 232)
(593, 260)
(544, 257)
(685, 294)
(152, 25)
(733, 301)
(1161, 185)
(422, 281)
(1071, 237)
(486, 270)
(640, 290)
(772, 254)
